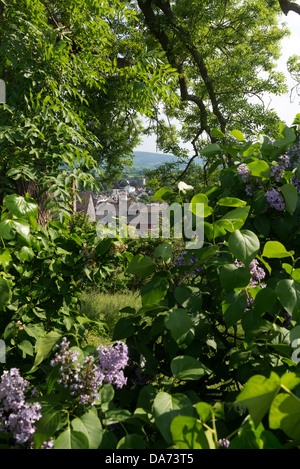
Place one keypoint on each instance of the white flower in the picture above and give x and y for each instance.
(183, 187)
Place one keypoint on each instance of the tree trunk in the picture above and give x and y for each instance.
(32, 189)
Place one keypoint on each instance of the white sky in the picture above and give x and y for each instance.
(286, 107)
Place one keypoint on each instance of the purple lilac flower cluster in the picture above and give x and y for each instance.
(286, 162)
(17, 415)
(275, 199)
(257, 274)
(294, 156)
(83, 380)
(181, 261)
(113, 360)
(244, 172)
(277, 169)
(224, 443)
(49, 444)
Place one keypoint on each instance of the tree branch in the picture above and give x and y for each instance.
(165, 7)
(287, 6)
(154, 26)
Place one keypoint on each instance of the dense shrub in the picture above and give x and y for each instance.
(210, 360)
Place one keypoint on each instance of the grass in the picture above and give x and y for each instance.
(105, 307)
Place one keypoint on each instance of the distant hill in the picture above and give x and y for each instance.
(147, 160)
(143, 159)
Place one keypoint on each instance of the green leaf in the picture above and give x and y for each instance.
(249, 437)
(164, 194)
(106, 393)
(288, 292)
(244, 245)
(234, 277)
(166, 407)
(44, 347)
(188, 433)
(189, 298)
(295, 333)
(131, 441)
(288, 137)
(70, 439)
(5, 258)
(290, 380)
(21, 206)
(234, 220)
(48, 424)
(259, 168)
(5, 292)
(258, 395)
(265, 300)
(26, 347)
(21, 227)
(179, 324)
(285, 415)
(290, 195)
(164, 251)
(154, 291)
(217, 133)
(210, 150)
(186, 368)
(238, 135)
(26, 254)
(231, 202)
(90, 425)
(275, 249)
(296, 275)
(6, 231)
(103, 246)
(114, 415)
(141, 266)
(262, 225)
(233, 307)
(204, 411)
(124, 328)
(200, 199)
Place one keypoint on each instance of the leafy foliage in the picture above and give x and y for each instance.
(212, 354)
(207, 42)
(71, 108)
(210, 358)
(42, 276)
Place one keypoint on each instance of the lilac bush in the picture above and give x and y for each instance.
(286, 162)
(257, 275)
(113, 360)
(243, 170)
(223, 443)
(257, 272)
(180, 261)
(275, 200)
(17, 415)
(84, 379)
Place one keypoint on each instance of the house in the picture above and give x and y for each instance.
(143, 217)
(85, 204)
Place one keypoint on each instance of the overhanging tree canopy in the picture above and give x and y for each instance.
(225, 53)
(72, 99)
(79, 74)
